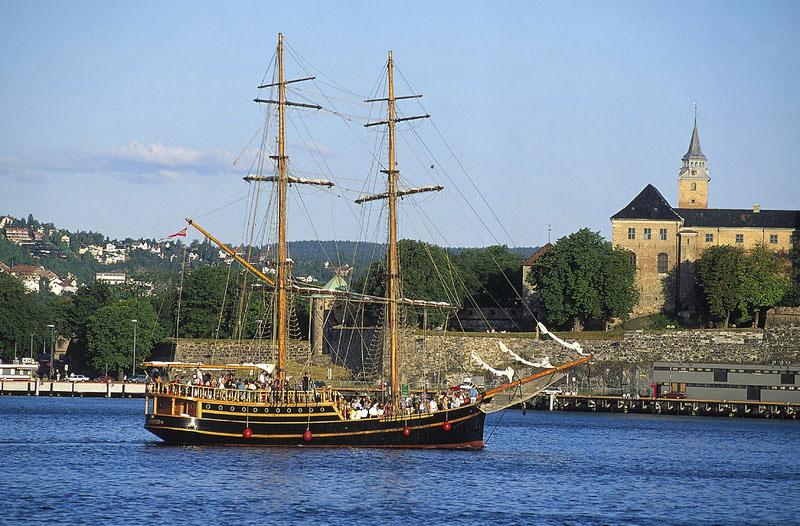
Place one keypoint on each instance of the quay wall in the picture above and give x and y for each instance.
(71, 389)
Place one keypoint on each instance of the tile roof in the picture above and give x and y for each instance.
(649, 204)
(536, 255)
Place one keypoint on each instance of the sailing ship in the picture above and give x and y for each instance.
(322, 416)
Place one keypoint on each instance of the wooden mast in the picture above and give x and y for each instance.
(282, 277)
(282, 282)
(394, 278)
(393, 288)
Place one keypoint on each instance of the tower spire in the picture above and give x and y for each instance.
(694, 152)
(693, 177)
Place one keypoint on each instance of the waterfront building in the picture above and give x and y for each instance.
(730, 382)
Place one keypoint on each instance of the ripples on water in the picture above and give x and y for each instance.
(73, 460)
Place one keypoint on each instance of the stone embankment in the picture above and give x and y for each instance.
(621, 354)
(223, 351)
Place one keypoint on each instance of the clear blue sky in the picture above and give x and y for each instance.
(125, 117)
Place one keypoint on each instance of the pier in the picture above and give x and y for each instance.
(72, 389)
(667, 406)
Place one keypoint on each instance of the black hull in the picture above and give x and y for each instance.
(460, 428)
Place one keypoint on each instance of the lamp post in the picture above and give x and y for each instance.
(52, 346)
(133, 370)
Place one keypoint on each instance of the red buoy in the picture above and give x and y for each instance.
(247, 433)
(446, 426)
(307, 435)
(406, 431)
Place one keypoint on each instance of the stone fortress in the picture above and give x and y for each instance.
(666, 241)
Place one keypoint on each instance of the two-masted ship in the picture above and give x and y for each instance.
(310, 416)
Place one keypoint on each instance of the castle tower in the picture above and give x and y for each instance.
(693, 177)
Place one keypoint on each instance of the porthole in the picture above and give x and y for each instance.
(255, 410)
(232, 408)
(288, 409)
(219, 407)
(310, 409)
(321, 409)
(244, 409)
(206, 406)
(299, 409)
(277, 409)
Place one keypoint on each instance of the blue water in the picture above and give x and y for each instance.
(81, 461)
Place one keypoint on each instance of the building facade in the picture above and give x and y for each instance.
(666, 242)
(732, 382)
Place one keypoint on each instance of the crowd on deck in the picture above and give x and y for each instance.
(264, 382)
(366, 407)
(356, 408)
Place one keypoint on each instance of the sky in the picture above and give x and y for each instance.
(126, 117)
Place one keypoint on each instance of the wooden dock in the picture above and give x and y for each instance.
(77, 389)
(667, 406)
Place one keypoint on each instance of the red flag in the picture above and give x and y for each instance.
(182, 233)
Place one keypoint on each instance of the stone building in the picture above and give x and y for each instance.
(667, 241)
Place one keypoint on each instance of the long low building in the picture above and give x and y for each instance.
(731, 382)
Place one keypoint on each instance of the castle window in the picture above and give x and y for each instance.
(773, 238)
(693, 186)
(709, 238)
(631, 233)
(647, 233)
(662, 234)
(692, 201)
(740, 238)
(633, 259)
(663, 261)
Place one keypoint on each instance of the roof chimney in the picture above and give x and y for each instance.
(756, 208)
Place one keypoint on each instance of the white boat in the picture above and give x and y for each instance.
(17, 370)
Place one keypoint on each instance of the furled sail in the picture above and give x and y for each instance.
(545, 363)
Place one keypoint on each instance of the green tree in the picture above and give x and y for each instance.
(492, 276)
(85, 303)
(19, 316)
(426, 275)
(620, 294)
(720, 275)
(208, 294)
(110, 333)
(763, 285)
(581, 278)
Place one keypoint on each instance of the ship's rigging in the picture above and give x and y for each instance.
(271, 165)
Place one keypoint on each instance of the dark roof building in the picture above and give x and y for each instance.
(666, 240)
(649, 204)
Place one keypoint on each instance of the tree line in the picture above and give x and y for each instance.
(581, 279)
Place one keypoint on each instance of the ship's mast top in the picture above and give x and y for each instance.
(282, 283)
(392, 264)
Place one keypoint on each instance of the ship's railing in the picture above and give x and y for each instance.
(251, 396)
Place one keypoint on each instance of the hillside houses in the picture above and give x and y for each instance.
(34, 276)
(20, 236)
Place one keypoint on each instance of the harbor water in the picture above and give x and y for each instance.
(80, 461)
